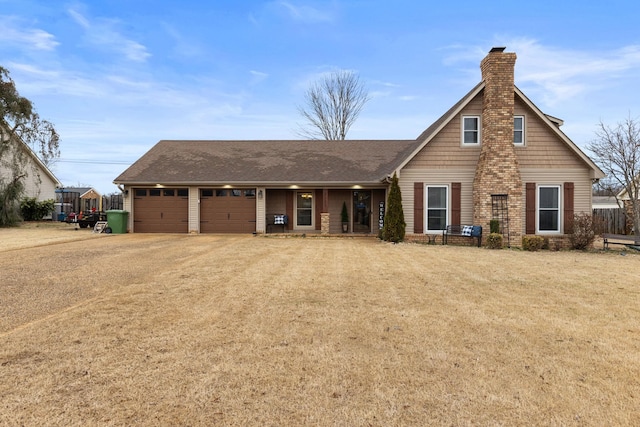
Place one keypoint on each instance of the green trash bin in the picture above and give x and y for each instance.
(117, 220)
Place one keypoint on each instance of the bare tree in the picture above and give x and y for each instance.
(332, 105)
(617, 151)
(20, 119)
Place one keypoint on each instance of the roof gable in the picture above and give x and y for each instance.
(553, 123)
(32, 155)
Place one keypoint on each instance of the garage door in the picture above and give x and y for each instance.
(161, 210)
(228, 210)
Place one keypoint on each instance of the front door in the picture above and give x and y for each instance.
(304, 210)
(361, 211)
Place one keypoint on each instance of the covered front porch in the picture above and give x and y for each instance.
(319, 210)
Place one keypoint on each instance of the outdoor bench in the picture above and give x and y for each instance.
(606, 240)
(279, 220)
(469, 231)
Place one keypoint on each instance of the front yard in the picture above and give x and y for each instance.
(240, 330)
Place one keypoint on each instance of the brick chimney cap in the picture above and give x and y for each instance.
(497, 49)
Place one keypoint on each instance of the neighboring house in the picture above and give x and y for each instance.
(77, 199)
(493, 155)
(39, 181)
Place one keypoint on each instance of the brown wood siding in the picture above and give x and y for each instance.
(160, 211)
(456, 201)
(568, 207)
(530, 208)
(318, 208)
(444, 150)
(227, 211)
(418, 207)
(336, 198)
(289, 208)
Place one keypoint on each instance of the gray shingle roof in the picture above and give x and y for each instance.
(295, 162)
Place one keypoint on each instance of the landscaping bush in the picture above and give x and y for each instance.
(532, 243)
(9, 206)
(33, 210)
(494, 226)
(494, 241)
(583, 232)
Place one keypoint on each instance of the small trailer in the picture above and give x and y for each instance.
(85, 220)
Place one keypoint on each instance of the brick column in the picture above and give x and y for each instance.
(498, 171)
(324, 222)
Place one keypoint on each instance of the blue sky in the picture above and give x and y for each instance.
(116, 76)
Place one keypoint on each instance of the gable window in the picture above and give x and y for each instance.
(471, 130)
(518, 130)
(437, 207)
(549, 208)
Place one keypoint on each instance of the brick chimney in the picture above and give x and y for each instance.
(497, 172)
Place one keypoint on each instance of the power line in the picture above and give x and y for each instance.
(92, 162)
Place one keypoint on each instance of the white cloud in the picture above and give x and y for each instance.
(103, 33)
(258, 76)
(557, 74)
(30, 38)
(183, 46)
(304, 13)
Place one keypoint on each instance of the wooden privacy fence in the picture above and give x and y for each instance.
(609, 221)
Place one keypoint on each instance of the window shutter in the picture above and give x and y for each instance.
(530, 208)
(418, 207)
(456, 201)
(568, 207)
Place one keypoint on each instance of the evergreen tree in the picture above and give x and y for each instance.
(394, 225)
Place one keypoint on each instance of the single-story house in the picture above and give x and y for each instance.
(39, 182)
(492, 155)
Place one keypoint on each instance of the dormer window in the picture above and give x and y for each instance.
(470, 130)
(518, 130)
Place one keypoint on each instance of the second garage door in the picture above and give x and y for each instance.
(228, 210)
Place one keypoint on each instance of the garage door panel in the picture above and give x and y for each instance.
(227, 211)
(161, 211)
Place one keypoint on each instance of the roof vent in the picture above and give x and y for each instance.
(497, 49)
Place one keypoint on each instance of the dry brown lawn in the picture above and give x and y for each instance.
(241, 330)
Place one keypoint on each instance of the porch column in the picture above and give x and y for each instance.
(324, 212)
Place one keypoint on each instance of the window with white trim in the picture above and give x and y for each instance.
(471, 130)
(549, 208)
(437, 207)
(518, 130)
(304, 209)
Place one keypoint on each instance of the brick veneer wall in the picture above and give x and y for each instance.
(498, 171)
